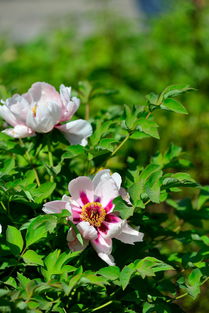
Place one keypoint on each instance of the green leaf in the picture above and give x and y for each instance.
(121, 206)
(176, 90)
(110, 272)
(39, 227)
(149, 127)
(31, 257)
(14, 239)
(73, 151)
(126, 274)
(150, 265)
(152, 186)
(194, 282)
(139, 187)
(55, 264)
(173, 105)
(203, 197)
(107, 143)
(152, 98)
(43, 192)
(7, 167)
(130, 117)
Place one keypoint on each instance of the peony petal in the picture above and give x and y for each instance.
(80, 186)
(105, 188)
(19, 131)
(46, 117)
(108, 258)
(69, 105)
(54, 206)
(76, 132)
(87, 231)
(73, 242)
(111, 230)
(97, 178)
(7, 115)
(109, 207)
(102, 245)
(117, 178)
(129, 235)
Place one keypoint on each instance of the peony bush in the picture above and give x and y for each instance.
(84, 226)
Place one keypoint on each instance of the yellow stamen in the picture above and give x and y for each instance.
(34, 109)
(94, 213)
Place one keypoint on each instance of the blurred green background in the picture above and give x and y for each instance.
(132, 57)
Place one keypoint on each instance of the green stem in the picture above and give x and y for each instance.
(50, 158)
(3, 206)
(102, 306)
(120, 145)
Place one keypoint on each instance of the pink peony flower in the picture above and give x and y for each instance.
(91, 207)
(40, 110)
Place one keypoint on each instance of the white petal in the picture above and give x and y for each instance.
(54, 206)
(87, 231)
(0, 228)
(70, 105)
(106, 188)
(19, 131)
(102, 245)
(76, 132)
(129, 235)
(99, 175)
(108, 258)
(117, 178)
(81, 190)
(73, 242)
(47, 116)
(113, 229)
(7, 115)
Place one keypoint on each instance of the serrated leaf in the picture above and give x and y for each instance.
(173, 105)
(14, 239)
(31, 257)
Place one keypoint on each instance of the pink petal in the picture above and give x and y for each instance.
(102, 245)
(109, 207)
(54, 206)
(80, 186)
(112, 218)
(73, 242)
(111, 230)
(87, 231)
(129, 235)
